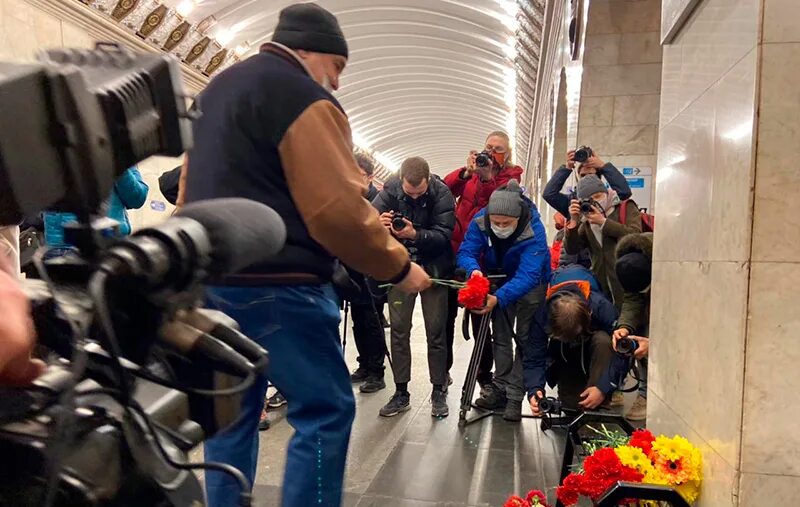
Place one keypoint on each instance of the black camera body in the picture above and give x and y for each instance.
(398, 221)
(627, 346)
(548, 404)
(483, 159)
(588, 205)
(583, 154)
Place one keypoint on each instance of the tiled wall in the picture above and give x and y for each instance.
(619, 106)
(26, 29)
(724, 321)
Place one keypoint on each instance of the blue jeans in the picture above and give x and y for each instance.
(299, 327)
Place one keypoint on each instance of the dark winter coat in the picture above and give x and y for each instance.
(433, 218)
(635, 313)
(560, 202)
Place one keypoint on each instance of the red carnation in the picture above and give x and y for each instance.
(536, 497)
(602, 470)
(643, 439)
(569, 491)
(473, 295)
(515, 501)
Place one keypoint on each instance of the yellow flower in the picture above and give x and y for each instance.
(677, 460)
(635, 458)
(673, 448)
(689, 491)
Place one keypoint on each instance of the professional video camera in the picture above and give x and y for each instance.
(118, 310)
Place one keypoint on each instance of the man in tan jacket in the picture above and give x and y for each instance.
(271, 131)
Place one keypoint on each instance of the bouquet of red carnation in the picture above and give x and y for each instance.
(473, 295)
(535, 498)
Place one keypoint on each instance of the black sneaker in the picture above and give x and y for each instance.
(372, 385)
(439, 404)
(360, 375)
(400, 402)
(513, 411)
(276, 401)
(492, 399)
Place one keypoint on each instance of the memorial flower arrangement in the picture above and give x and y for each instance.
(644, 458)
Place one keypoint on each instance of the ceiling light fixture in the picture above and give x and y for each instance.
(386, 161)
(185, 7)
(242, 49)
(225, 35)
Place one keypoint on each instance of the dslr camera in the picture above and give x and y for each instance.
(398, 222)
(483, 159)
(588, 205)
(583, 154)
(627, 346)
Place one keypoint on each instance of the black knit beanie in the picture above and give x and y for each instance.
(310, 27)
(633, 272)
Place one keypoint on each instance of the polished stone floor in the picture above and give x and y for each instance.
(414, 460)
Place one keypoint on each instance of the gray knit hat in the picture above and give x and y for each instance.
(590, 185)
(506, 200)
(310, 27)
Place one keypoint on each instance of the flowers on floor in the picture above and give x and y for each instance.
(533, 499)
(473, 294)
(641, 458)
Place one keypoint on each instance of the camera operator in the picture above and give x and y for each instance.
(367, 327)
(633, 268)
(595, 223)
(508, 238)
(593, 165)
(247, 147)
(472, 185)
(16, 332)
(418, 210)
(569, 345)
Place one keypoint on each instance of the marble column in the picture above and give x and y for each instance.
(724, 322)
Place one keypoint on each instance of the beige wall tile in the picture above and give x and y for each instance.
(623, 140)
(640, 48)
(772, 490)
(640, 79)
(775, 228)
(770, 440)
(720, 478)
(697, 329)
(596, 111)
(620, 16)
(75, 37)
(780, 21)
(705, 169)
(717, 36)
(21, 39)
(48, 31)
(636, 109)
(20, 10)
(602, 49)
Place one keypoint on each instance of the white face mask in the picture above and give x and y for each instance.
(503, 232)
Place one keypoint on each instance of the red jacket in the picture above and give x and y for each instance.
(472, 195)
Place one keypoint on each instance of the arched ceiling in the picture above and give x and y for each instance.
(425, 78)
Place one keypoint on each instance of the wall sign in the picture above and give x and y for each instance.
(640, 179)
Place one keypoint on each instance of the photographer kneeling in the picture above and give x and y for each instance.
(417, 209)
(508, 238)
(633, 268)
(569, 345)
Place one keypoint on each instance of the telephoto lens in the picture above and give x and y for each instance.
(483, 159)
(627, 346)
(582, 154)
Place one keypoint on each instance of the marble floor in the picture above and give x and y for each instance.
(414, 460)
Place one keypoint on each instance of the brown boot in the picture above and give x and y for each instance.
(638, 411)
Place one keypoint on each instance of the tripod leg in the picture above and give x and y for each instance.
(472, 373)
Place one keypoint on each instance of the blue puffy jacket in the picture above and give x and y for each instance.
(129, 192)
(526, 263)
(576, 279)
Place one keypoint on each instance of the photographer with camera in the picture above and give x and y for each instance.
(633, 268)
(245, 146)
(508, 238)
(569, 345)
(417, 208)
(582, 162)
(595, 223)
(472, 185)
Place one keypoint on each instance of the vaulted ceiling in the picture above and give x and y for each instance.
(426, 78)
